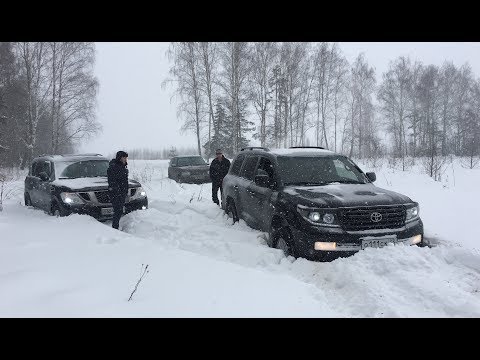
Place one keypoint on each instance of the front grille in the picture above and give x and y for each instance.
(357, 219)
(102, 197)
(84, 195)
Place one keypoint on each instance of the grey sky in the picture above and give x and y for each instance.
(136, 113)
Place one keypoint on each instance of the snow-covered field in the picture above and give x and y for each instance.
(200, 265)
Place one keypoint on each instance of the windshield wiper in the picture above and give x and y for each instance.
(306, 183)
(346, 182)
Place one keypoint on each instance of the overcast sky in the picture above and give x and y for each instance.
(136, 113)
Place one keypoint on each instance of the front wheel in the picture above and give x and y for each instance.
(26, 197)
(57, 211)
(282, 240)
(232, 211)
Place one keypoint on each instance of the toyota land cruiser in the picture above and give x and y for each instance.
(316, 204)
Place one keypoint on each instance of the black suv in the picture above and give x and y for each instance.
(65, 184)
(316, 204)
(189, 169)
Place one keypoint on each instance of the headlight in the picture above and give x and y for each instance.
(139, 193)
(318, 216)
(71, 198)
(413, 213)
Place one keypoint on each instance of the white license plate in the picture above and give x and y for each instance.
(377, 243)
(107, 211)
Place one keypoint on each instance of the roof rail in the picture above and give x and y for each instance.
(307, 147)
(255, 148)
(88, 154)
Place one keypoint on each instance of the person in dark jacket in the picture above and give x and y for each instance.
(218, 170)
(118, 185)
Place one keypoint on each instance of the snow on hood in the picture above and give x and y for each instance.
(86, 183)
(338, 195)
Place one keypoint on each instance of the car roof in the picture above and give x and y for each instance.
(182, 156)
(293, 151)
(72, 157)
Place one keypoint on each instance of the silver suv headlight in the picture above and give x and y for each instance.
(139, 194)
(71, 198)
(413, 213)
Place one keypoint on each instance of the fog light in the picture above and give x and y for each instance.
(144, 207)
(325, 246)
(416, 239)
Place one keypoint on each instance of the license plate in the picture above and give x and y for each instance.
(107, 211)
(377, 243)
(198, 177)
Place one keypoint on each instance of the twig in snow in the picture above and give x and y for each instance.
(143, 272)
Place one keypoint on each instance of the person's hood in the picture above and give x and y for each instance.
(115, 161)
(343, 195)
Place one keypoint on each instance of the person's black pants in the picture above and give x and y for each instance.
(215, 186)
(118, 202)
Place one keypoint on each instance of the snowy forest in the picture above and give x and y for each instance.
(308, 94)
(232, 95)
(47, 99)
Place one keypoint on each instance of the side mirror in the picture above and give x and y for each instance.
(371, 176)
(43, 176)
(262, 180)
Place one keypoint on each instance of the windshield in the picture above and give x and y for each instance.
(319, 170)
(189, 161)
(82, 169)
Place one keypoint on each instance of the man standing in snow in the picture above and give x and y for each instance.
(118, 185)
(218, 170)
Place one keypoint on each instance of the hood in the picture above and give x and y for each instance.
(89, 184)
(343, 195)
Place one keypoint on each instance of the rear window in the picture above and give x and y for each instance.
(191, 161)
(237, 165)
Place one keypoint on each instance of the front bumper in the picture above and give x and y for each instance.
(347, 242)
(96, 210)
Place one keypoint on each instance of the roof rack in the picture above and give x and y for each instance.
(88, 154)
(255, 148)
(307, 147)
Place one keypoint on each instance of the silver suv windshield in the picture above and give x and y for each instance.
(319, 170)
(81, 169)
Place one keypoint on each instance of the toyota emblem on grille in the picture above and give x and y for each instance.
(376, 217)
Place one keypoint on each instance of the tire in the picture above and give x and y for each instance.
(232, 211)
(27, 200)
(282, 240)
(57, 211)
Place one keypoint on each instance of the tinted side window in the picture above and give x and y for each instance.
(33, 171)
(237, 165)
(265, 167)
(248, 169)
(41, 166)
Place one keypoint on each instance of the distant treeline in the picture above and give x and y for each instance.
(166, 153)
(299, 93)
